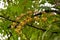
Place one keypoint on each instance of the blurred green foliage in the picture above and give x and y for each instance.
(16, 8)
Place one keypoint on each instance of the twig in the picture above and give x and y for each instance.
(57, 11)
(37, 27)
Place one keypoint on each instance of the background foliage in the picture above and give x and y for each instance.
(49, 22)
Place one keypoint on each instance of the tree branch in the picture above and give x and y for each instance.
(34, 15)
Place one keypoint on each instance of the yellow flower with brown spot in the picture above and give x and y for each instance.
(29, 19)
(19, 17)
(36, 18)
(13, 25)
(22, 23)
(29, 12)
(44, 19)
